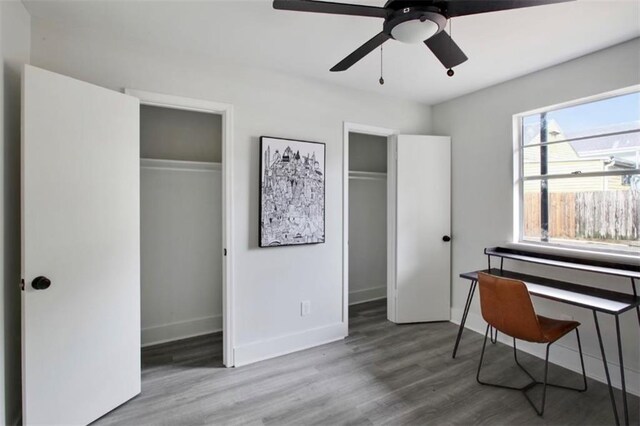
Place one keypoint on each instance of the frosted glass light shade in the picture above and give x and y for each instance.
(414, 31)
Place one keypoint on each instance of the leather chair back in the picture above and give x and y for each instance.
(506, 305)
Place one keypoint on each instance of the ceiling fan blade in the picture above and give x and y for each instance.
(446, 50)
(454, 8)
(328, 7)
(361, 52)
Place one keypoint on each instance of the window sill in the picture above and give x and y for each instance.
(631, 258)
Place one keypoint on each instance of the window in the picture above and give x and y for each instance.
(578, 174)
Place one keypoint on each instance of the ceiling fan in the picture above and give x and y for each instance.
(411, 21)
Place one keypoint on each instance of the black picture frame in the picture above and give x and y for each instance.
(266, 237)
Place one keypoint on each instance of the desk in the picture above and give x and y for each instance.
(597, 300)
(568, 262)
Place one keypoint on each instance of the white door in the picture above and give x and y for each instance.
(422, 223)
(80, 230)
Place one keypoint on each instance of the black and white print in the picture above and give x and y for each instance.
(292, 192)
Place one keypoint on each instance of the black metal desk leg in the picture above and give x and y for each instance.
(467, 305)
(606, 369)
(635, 293)
(622, 381)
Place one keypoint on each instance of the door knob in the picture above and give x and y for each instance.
(446, 238)
(41, 283)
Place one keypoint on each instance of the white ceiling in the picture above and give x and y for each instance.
(500, 46)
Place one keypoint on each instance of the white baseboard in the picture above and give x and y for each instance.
(367, 295)
(283, 345)
(181, 330)
(560, 354)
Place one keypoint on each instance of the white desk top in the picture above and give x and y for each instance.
(575, 298)
(574, 294)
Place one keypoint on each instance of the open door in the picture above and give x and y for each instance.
(420, 225)
(80, 249)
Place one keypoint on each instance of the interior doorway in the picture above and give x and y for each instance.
(367, 218)
(418, 216)
(185, 213)
(180, 225)
(368, 238)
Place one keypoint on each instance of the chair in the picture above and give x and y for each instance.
(506, 306)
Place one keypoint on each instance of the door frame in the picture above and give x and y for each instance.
(226, 111)
(390, 134)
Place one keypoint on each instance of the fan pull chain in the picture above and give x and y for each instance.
(450, 70)
(381, 78)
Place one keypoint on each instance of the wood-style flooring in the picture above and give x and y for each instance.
(382, 373)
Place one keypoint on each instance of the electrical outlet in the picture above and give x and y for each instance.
(305, 308)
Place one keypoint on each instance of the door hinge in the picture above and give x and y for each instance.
(22, 284)
(225, 252)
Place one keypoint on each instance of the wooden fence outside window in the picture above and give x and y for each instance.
(600, 215)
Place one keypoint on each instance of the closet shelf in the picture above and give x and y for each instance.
(152, 163)
(355, 174)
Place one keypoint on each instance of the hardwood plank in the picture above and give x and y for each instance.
(382, 373)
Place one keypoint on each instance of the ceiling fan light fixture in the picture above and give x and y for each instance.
(414, 31)
(411, 21)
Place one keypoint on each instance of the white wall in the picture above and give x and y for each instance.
(15, 40)
(367, 238)
(270, 283)
(480, 125)
(181, 249)
(367, 217)
(367, 153)
(175, 134)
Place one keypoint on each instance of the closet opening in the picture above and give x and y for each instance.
(367, 223)
(181, 214)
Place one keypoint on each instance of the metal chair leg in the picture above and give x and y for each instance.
(496, 385)
(544, 384)
(484, 345)
(524, 389)
(515, 357)
(584, 374)
(494, 339)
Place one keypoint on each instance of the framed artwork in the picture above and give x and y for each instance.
(292, 192)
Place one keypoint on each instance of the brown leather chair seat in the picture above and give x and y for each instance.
(554, 329)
